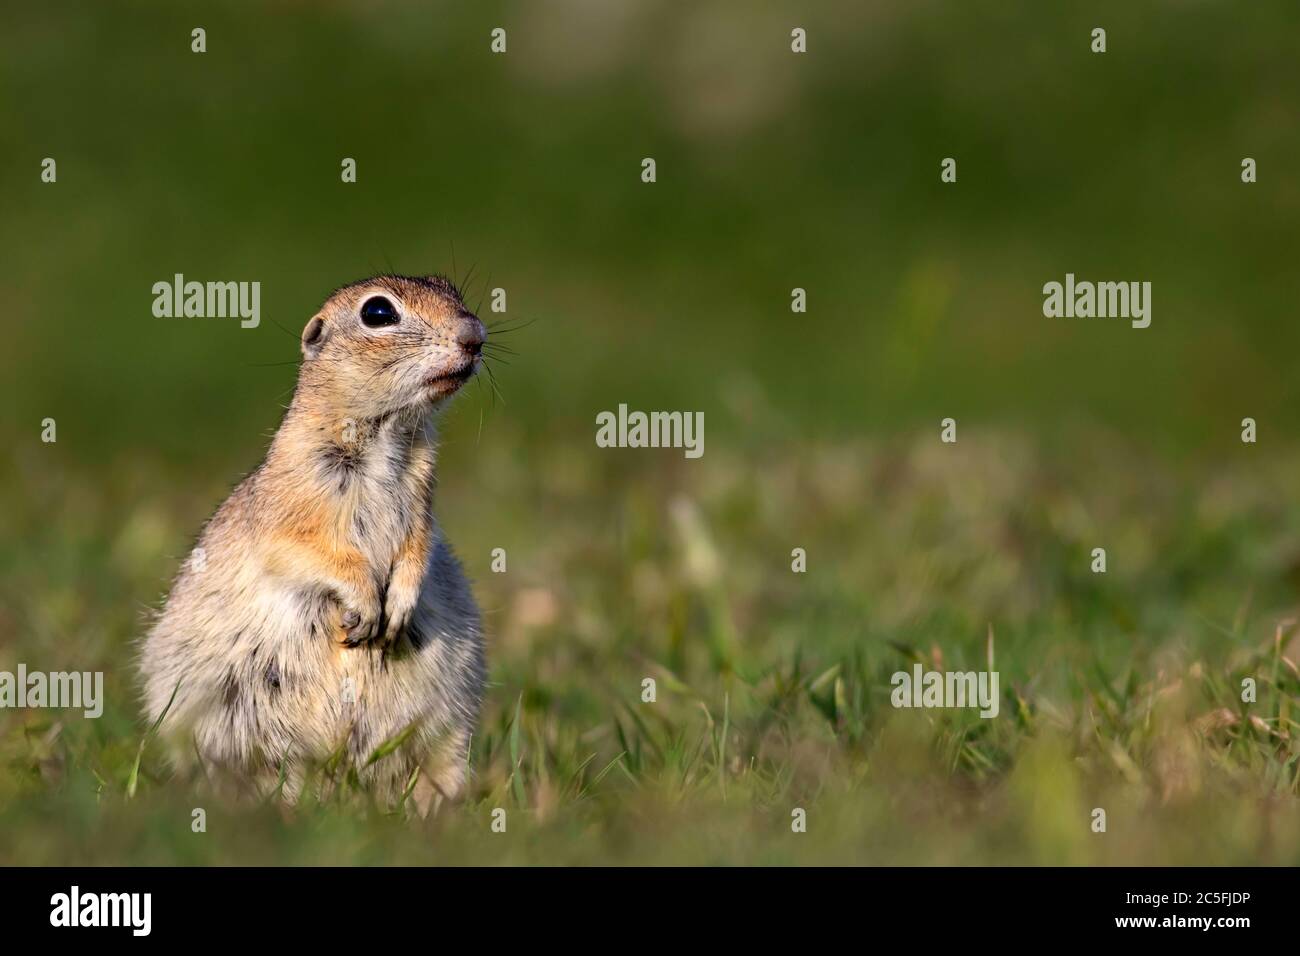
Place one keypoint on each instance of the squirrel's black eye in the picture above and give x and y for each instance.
(378, 312)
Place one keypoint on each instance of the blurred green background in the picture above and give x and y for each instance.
(775, 171)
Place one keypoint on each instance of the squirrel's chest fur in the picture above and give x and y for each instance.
(243, 641)
(369, 500)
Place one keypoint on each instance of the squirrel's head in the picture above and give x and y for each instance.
(391, 343)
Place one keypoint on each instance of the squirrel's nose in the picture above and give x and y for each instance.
(471, 335)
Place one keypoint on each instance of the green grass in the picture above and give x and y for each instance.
(1120, 691)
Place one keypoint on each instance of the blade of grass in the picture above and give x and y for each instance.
(133, 780)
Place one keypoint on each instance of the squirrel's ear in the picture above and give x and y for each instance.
(313, 337)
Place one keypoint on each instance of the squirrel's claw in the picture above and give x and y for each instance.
(395, 627)
(355, 630)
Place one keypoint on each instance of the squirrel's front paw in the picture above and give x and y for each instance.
(397, 616)
(353, 627)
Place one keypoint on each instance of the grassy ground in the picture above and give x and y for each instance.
(1119, 691)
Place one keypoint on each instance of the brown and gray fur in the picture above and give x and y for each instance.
(324, 576)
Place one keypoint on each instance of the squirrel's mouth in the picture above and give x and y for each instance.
(444, 383)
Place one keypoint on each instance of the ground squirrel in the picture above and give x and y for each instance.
(321, 610)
